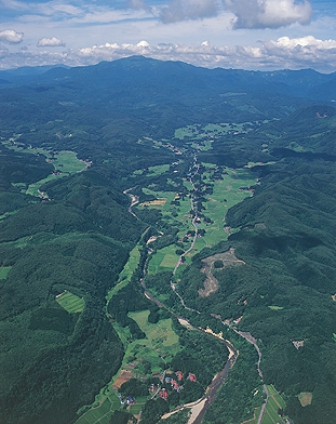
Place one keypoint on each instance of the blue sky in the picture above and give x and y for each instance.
(247, 34)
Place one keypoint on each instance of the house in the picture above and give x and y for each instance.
(164, 394)
(179, 375)
(175, 386)
(130, 400)
(192, 377)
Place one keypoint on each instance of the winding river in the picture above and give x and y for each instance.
(200, 407)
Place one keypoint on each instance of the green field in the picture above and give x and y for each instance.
(100, 413)
(126, 273)
(161, 340)
(70, 302)
(232, 189)
(163, 260)
(65, 163)
(275, 402)
(159, 169)
(33, 189)
(160, 334)
(200, 132)
(4, 270)
(226, 193)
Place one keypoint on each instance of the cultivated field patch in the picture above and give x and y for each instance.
(70, 302)
(233, 188)
(305, 398)
(123, 376)
(275, 402)
(126, 273)
(153, 203)
(159, 334)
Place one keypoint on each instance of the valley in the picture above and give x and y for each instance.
(145, 228)
(160, 343)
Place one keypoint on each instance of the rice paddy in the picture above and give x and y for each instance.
(232, 189)
(274, 404)
(70, 302)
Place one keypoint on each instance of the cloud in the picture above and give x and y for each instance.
(271, 54)
(50, 42)
(179, 10)
(285, 52)
(41, 8)
(304, 52)
(11, 36)
(268, 13)
(137, 4)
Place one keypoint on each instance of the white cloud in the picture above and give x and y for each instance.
(285, 52)
(272, 54)
(11, 36)
(304, 52)
(179, 10)
(50, 42)
(269, 13)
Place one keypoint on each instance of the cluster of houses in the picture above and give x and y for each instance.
(157, 389)
(176, 384)
(128, 400)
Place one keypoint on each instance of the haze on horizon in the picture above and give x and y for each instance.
(247, 34)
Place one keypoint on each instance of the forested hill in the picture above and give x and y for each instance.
(77, 144)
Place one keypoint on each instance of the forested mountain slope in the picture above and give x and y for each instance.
(75, 141)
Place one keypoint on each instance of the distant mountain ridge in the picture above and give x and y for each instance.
(306, 82)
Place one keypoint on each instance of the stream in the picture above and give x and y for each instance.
(200, 407)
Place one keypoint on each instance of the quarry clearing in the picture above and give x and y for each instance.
(211, 284)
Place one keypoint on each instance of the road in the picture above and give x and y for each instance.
(221, 376)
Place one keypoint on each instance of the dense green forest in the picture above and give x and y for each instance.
(175, 135)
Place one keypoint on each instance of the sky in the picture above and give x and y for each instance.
(244, 34)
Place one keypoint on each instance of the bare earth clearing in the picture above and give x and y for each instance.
(305, 398)
(211, 284)
(122, 378)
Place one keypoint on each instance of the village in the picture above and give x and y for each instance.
(168, 382)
